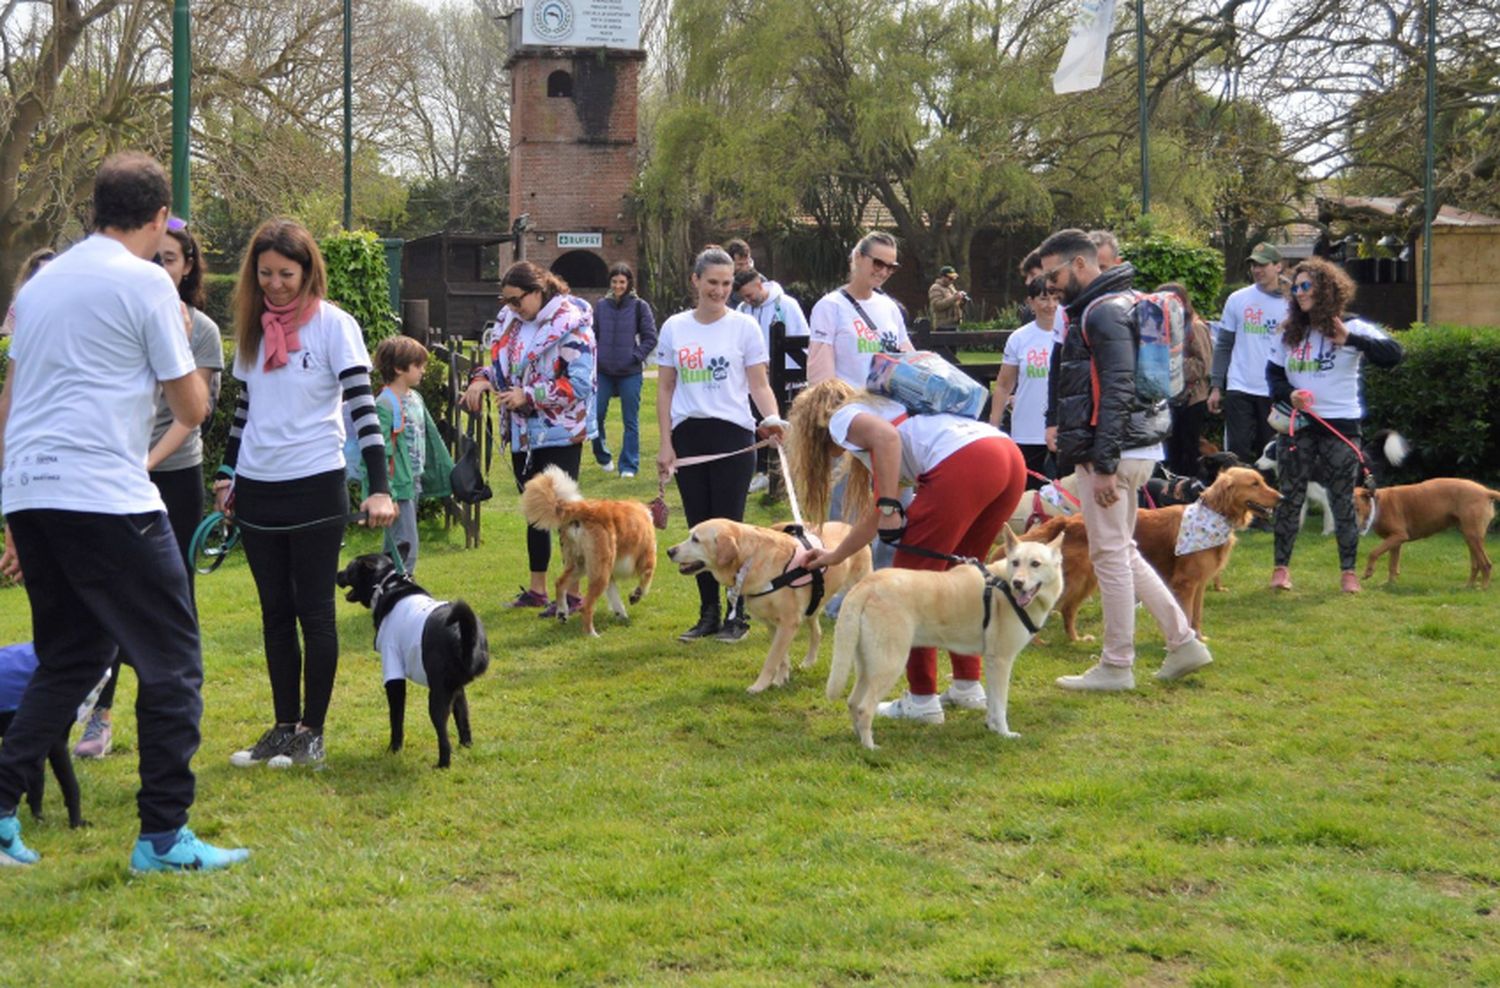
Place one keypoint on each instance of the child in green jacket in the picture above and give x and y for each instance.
(419, 463)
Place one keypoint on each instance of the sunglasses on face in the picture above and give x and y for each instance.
(881, 265)
(1305, 285)
(514, 301)
(1049, 273)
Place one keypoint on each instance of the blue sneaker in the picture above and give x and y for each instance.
(187, 854)
(12, 851)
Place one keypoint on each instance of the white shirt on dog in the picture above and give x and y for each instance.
(400, 638)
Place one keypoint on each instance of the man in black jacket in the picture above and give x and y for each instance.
(1111, 439)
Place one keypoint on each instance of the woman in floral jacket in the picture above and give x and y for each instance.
(542, 372)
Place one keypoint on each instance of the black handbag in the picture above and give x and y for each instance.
(468, 476)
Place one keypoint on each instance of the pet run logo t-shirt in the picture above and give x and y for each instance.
(1330, 372)
(855, 342)
(1029, 350)
(1255, 319)
(710, 361)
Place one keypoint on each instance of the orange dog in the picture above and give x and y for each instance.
(1237, 495)
(604, 539)
(1415, 511)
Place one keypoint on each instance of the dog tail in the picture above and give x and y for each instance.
(545, 494)
(475, 646)
(846, 634)
(1395, 448)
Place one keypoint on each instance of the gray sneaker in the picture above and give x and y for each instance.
(271, 744)
(305, 748)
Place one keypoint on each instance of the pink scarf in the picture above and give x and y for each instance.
(280, 324)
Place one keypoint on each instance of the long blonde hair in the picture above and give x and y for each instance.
(810, 460)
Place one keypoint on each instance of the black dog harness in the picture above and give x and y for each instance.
(791, 574)
(389, 592)
(991, 584)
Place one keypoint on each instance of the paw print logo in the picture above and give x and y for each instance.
(720, 368)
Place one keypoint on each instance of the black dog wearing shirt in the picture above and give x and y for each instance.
(435, 643)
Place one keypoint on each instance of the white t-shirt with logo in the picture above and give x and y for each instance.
(1029, 350)
(710, 361)
(1255, 319)
(926, 440)
(296, 424)
(95, 331)
(1329, 371)
(835, 322)
(399, 639)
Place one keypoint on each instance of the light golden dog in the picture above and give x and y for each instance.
(1034, 506)
(603, 539)
(1237, 495)
(753, 557)
(893, 611)
(1415, 511)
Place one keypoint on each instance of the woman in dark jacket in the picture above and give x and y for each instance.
(625, 330)
(1189, 412)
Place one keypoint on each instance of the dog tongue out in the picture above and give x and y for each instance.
(1024, 597)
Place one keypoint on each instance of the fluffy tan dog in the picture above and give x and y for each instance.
(1415, 511)
(894, 610)
(603, 539)
(753, 557)
(1237, 495)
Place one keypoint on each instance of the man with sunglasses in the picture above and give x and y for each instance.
(1251, 324)
(1112, 439)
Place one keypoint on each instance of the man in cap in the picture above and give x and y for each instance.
(946, 300)
(1251, 322)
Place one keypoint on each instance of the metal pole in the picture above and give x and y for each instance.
(348, 115)
(182, 99)
(1429, 205)
(1140, 72)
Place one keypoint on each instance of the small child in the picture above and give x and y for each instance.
(402, 361)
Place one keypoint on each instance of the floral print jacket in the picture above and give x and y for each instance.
(552, 358)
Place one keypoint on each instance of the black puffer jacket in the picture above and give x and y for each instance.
(1095, 408)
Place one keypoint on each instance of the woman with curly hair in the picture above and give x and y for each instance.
(969, 478)
(1315, 365)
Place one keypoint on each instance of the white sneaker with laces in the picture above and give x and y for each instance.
(759, 483)
(1100, 678)
(1186, 658)
(922, 709)
(965, 694)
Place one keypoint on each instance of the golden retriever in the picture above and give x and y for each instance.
(1237, 495)
(604, 539)
(894, 610)
(752, 557)
(1415, 511)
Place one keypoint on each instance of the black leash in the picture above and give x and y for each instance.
(991, 582)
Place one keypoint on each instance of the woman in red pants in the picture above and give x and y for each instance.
(969, 478)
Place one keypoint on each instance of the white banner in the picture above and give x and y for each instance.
(1082, 64)
(582, 23)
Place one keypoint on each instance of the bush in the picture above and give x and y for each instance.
(1159, 258)
(358, 281)
(1442, 398)
(218, 300)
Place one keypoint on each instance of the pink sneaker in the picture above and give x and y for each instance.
(1281, 578)
(97, 736)
(1349, 582)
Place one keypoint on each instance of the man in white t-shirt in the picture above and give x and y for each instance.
(96, 331)
(1024, 371)
(1247, 336)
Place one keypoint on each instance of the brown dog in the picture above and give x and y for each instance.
(604, 539)
(1415, 511)
(1237, 495)
(752, 557)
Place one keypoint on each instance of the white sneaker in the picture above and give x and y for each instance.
(965, 694)
(1100, 678)
(759, 483)
(608, 467)
(627, 474)
(923, 709)
(1188, 657)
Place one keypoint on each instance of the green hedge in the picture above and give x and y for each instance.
(1443, 398)
(218, 300)
(358, 282)
(1159, 259)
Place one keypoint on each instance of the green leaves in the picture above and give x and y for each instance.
(358, 282)
(1159, 258)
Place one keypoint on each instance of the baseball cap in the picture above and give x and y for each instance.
(1265, 253)
(947, 269)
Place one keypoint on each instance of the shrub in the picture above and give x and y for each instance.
(1442, 398)
(1159, 258)
(358, 281)
(218, 300)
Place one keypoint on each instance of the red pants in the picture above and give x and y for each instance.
(959, 508)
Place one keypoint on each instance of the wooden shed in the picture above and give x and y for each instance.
(458, 276)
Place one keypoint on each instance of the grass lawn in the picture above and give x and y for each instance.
(1318, 807)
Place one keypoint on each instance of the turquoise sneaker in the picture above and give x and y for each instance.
(187, 854)
(12, 851)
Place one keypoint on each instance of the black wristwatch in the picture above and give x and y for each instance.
(889, 506)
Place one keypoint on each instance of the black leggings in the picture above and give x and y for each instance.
(294, 573)
(1320, 456)
(568, 458)
(182, 491)
(713, 490)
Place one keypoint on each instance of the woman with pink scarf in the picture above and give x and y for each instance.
(299, 358)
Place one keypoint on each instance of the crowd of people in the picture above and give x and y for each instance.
(114, 366)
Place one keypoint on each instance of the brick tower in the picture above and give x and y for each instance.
(573, 152)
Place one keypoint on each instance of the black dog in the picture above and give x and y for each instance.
(434, 643)
(19, 662)
(1166, 488)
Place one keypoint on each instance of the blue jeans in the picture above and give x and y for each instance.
(628, 388)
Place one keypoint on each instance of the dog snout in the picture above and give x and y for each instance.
(672, 552)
